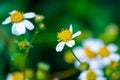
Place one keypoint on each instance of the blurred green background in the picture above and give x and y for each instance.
(90, 16)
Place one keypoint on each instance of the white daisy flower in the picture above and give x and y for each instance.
(88, 53)
(92, 74)
(89, 50)
(93, 44)
(65, 37)
(19, 22)
(108, 54)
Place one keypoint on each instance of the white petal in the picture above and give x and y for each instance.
(106, 61)
(14, 31)
(12, 12)
(9, 77)
(29, 15)
(28, 25)
(78, 51)
(60, 46)
(112, 47)
(6, 21)
(101, 78)
(95, 64)
(70, 28)
(99, 72)
(70, 43)
(93, 44)
(77, 64)
(114, 57)
(20, 28)
(76, 34)
(82, 75)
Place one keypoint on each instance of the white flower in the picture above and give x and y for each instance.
(108, 54)
(19, 22)
(65, 37)
(93, 44)
(88, 53)
(89, 50)
(92, 74)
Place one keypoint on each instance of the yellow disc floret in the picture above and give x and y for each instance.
(89, 53)
(17, 76)
(91, 75)
(64, 35)
(16, 17)
(104, 52)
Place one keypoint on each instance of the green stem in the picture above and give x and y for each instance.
(76, 57)
(25, 63)
(36, 32)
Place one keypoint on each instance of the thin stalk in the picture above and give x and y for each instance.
(25, 63)
(36, 32)
(76, 57)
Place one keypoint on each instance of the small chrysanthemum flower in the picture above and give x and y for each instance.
(91, 74)
(19, 22)
(65, 37)
(88, 53)
(108, 54)
(89, 50)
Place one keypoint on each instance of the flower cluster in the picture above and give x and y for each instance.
(97, 55)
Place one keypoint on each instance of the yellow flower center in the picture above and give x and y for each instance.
(17, 76)
(91, 75)
(104, 52)
(64, 35)
(89, 53)
(16, 17)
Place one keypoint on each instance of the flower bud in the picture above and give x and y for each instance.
(83, 66)
(39, 18)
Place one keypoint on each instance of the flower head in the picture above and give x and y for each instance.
(91, 74)
(108, 54)
(19, 22)
(65, 37)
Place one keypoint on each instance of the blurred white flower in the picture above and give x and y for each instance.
(93, 44)
(15, 76)
(65, 37)
(94, 52)
(19, 22)
(108, 54)
(92, 74)
(89, 50)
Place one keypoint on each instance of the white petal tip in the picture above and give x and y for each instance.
(60, 46)
(79, 33)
